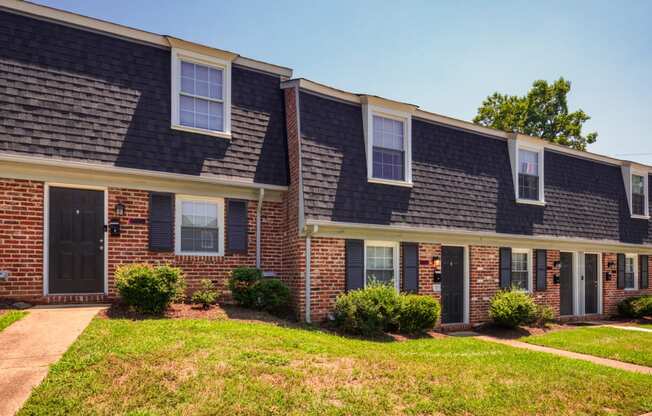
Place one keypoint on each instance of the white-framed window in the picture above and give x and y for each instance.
(381, 262)
(631, 269)
(201, 93)
(526, 159)
(388, 134)
(639, 195)
(199, 226)
(521, 268)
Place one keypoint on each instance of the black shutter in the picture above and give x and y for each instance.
(621, 271)
(354, 264)
(161, 221)
(411, 267)
(643, 270)
(505, 267)
(236, 223)
(542, 268)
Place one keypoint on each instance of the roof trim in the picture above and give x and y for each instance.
(64, 163)
(127, 33)
(449, 235)
(334, 93)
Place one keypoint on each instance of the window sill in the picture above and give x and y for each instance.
(640, 217)
(530, 202)
(631, 289)
(390, 182)
(221, 134)
(197, 254)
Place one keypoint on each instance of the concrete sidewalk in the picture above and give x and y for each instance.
(569, 354)
(29, 346)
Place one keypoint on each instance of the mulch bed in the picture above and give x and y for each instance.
(190, 311)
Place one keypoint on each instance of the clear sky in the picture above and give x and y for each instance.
(445, 57)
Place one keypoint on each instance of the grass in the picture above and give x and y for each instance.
(9, 317)
(618, 344)
(179, 367)
(648, 326)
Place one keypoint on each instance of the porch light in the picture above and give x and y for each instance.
(557, 264)
(436, 266)
(611, 265)
(119, 209)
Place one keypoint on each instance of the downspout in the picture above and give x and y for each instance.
(259, 210)
(308, 289)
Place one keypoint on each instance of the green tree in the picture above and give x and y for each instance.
(543, 112)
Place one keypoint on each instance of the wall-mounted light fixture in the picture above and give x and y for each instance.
(611, 265)
(607, 276)
(556, 264)
(436, 267)
(119, 209)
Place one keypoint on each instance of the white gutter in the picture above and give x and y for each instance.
(259, 210)
(218, 180)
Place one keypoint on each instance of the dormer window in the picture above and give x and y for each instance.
(528, 175)
(638, 195)
(388, 136)
(526, 158)
(201, 93)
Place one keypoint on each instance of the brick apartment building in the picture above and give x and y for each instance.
(119, 146)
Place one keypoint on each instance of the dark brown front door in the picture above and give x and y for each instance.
(566, 283)
(590, 283)
(452, 284)
(76, 249)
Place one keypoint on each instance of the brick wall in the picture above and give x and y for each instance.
(21, 238)
(131, 246)
(293, 245)
(611, 294)
(21, 243)
(550, 296)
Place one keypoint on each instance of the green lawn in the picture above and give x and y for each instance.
(9, 317)
(181, 367)
(648, 326)
(618, 344)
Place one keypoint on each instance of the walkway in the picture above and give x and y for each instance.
(630, 328)
(585, 357)
(29, 346)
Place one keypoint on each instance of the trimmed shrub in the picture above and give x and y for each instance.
(511, 308)
(270, 295)
(206, 295)
(417, 313)
(636, 307)
(544, 315)
(367, 311)
(149, 289)
(240, 283)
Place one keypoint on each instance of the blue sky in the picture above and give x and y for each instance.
(445, 57)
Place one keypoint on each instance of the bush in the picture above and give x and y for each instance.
(417, 313)
(149, 289)
(636, 307)
(270, 295)
(367, 311)
(511, 308)
(544, 315)
(240, 283)
(206, 295)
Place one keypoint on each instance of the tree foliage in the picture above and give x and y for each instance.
(543, 112)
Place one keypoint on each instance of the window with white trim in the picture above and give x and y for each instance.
(638, 195)
(199, 226)
(630, 271)
(521, 266)
(388, 148)
(528, 174)
(381, 263)
(388, 136)
(201, 97)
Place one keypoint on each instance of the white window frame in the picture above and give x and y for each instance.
(395, 259)
(646, 211)
(636, 277)
(369, 111)
(530, 265)
(179, 199)
(179, 55)
(514, 146)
